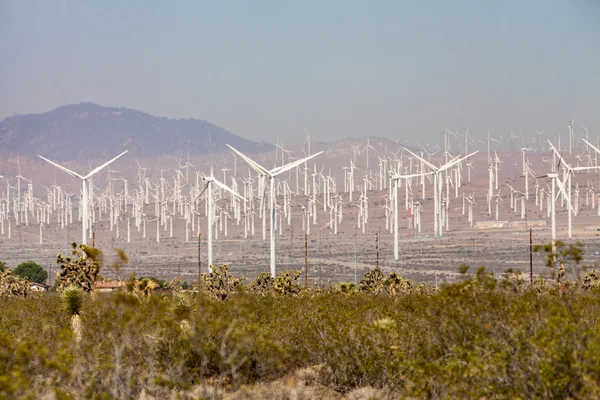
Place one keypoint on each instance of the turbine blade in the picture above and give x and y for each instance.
(255, 166)
(226, 188)
(430, 165)
(103, 165)
(279, 170)
(396, 176)
(456, 161)
(68, 171)
(592, 146)
(564, 192)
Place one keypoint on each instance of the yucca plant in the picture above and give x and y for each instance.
(347, 287)
(72, 301)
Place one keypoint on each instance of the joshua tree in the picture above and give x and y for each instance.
(12, 285)
(81, 271)
(219, 283)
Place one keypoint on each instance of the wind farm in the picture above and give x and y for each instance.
(432, 206)
(335, 200)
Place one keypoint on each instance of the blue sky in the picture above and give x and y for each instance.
(264, 69)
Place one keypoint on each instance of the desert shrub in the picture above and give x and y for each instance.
(569, 254)
(514, 281)
(140, 288)
(477, 338)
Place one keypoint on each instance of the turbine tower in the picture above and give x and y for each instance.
(209, 183)
(84, 199)
(271, 174)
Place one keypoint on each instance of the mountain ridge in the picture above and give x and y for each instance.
(88, 130)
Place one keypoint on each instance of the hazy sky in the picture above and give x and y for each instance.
(263, 69)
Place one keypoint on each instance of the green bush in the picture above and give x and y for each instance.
(31, 271)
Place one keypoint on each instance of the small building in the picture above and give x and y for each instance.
(491, 224)
(108, 286)
(528, 223)
(38, 287)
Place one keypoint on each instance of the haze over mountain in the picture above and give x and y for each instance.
(88, 131)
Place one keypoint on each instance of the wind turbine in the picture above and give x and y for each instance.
(567, 181)
(552, 199)
(209, 182)
(437, 187)
(84, 199)
(395, 178)
(271, 174)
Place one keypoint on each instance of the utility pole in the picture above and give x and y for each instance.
(355, 246)
(199, 262)
(305, 259)
(531, 257)
(376, 250)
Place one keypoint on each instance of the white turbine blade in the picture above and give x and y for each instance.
(396, 176)
(585, 168)
(255, 166)
(592, 146)
(562, 161)
(430, 165)
(68, 171)
(103, 165)
(262, 199)
(225, 187)
(287, 167)
(456, 161)
(561, 187)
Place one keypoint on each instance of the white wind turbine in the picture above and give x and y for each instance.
(209, 198)
(437, 187)
(567, 181)
(395, 178)
(84, 199)
(552, 202)
(271, 174)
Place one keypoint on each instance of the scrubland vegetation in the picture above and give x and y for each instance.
(483, 337)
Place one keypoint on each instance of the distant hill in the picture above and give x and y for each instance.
(90, 131)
